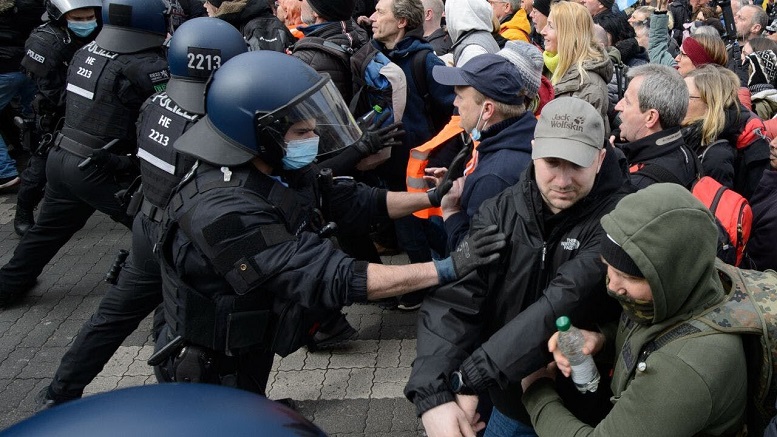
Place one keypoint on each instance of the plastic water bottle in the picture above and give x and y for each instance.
(585, 375)
(368, 118)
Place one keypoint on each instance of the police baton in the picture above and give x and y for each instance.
(88, 161)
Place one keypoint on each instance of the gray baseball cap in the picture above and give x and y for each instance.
(571, 129)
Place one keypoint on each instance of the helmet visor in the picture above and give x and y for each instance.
(320, 110)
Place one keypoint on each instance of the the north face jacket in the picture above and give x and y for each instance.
(494, 324)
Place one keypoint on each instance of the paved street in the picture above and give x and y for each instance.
(352, 391)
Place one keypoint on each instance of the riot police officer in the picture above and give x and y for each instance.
(48, 51)
(245, 271)
(197, 48)
(107, 82)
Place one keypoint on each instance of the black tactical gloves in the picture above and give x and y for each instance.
(111, 163)
(455, 171)
(478, 249)
(375, 137)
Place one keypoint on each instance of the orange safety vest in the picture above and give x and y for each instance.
(419, 159)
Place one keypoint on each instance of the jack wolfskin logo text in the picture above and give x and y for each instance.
(562, 121)
(570, 244)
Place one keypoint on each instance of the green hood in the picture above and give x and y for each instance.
(672, 237)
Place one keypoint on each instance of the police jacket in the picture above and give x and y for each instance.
(160, 124)
(494, 324)
(17, 19)
(48, 52)
(343, 39)
(106, 90)
(240, 242)
(650, 157)
(502, 155)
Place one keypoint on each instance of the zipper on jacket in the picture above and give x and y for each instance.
(544, 251)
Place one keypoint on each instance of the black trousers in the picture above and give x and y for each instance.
(136, 293)
(71, 197)
(33, 184)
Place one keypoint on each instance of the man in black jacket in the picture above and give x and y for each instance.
(485, 332)
(651, 111)
(255, 20)
(331, 37)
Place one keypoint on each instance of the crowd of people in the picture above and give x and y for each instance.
(542, 160)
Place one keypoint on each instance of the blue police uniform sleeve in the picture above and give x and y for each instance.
(147, 74)
(356, 206)
(248, 244)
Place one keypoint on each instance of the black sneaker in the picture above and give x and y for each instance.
(332, 335)
(10, 296)
(9, 182)
(46, 399)
(23, 221)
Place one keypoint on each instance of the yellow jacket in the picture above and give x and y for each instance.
(517, 28)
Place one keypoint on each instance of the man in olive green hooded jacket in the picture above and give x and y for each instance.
(660, 257)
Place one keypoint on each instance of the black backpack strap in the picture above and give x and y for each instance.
(422, 84)
(658, 174)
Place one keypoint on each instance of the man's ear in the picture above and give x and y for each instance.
(402, 23)
(489, 108)
(653, 119)
(602, 153)
(428, 15)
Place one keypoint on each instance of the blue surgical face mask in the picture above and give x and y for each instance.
(300, 153)
(82, 29)
(475, 133)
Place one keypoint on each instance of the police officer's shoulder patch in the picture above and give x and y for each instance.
(159, 79)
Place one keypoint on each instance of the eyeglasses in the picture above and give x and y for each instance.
(683, 54)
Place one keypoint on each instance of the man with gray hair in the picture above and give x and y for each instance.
(434, 33)
(651, 111)
(750, 22)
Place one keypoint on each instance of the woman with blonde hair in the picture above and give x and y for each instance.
(715, 114)
(580, 67)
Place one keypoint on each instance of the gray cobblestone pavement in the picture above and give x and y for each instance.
(355, 390)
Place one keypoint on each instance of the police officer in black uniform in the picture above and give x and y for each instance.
(197, 48)
(48, 51)
(107, 82)
(245, 271)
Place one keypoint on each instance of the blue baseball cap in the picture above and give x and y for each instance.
(492, 75)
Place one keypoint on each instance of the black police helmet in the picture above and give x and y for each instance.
(251, 102)
(199, 47)
(131, 26)
(175, 410)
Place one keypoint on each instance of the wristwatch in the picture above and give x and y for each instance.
(458, 385)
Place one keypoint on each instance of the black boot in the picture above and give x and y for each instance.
(23, 221)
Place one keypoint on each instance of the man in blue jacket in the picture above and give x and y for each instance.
(397, 27)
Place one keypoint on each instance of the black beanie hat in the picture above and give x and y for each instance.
(215, 3)
(618, 258)
(333, 10)
(543, 6)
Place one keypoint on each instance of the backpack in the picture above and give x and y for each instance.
(375, 80)
(733, 217)
(268, 33)
(732, 212)
(749, 309)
